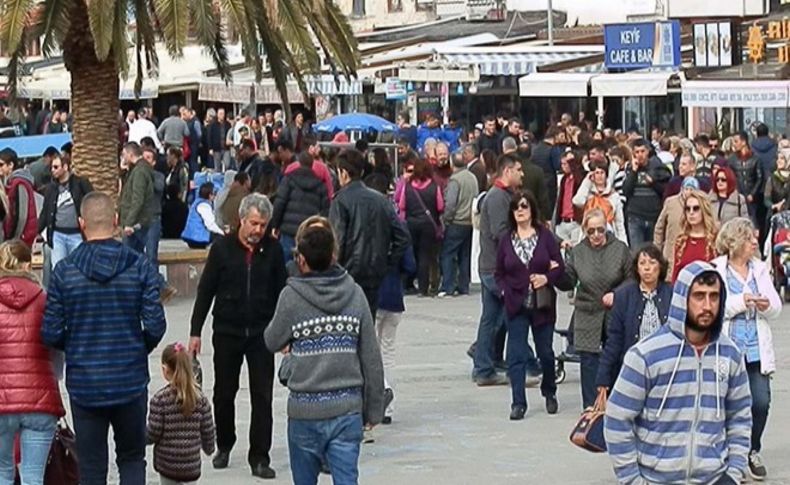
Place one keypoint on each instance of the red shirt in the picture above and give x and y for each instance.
(696, 250)
(566, 204)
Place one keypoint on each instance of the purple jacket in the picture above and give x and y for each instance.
(512, 276)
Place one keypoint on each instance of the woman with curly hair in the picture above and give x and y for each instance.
(697, 241)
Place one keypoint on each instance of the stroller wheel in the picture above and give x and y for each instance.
(559, 373)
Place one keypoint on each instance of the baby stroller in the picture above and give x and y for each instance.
(568, 354)
(779, 251)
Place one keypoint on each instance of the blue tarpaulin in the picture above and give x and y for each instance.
(34, 146)
(354, 122)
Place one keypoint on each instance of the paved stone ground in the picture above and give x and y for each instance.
(448, 431)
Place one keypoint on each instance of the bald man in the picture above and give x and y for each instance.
(103, 310)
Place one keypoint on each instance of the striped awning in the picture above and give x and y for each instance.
(326, 85)
(511, 63)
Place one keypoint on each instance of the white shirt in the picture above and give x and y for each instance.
(141, 129)
(207, 214)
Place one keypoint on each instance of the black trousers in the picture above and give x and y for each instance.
(372, 296)
(423, 238)
(229, 352)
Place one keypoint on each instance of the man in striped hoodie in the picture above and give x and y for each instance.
(680, 412)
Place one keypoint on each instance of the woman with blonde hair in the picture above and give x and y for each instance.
(697, 240)
(752, 302)
(30, 404)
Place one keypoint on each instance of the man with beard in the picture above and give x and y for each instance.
(243, 276)
(680, 410)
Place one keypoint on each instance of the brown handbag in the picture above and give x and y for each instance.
(62, 465)
(588, 432)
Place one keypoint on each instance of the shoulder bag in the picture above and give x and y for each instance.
(437, 227)
(588, 432)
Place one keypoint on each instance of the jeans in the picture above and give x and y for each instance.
(760, 386)
(456, 253)
(62, 245)
(288, 243)
(589, 371)
(229, 353)
(335, 441)
(128, 423)
(36, 431)
(152, 241)
(518, 355)
(491, 330)
(640, 231)
(137, 240)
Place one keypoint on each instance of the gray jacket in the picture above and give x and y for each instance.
(458, 197)
(595, 271)
(493, 223)
(172, 131)
(335, 361)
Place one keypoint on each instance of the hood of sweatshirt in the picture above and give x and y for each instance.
(763, 145)
(329, 291)
(103, 260)
(22, 173)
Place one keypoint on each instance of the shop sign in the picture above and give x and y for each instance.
(395, 89)
(760, 35)
(713, 44)
(642, 45)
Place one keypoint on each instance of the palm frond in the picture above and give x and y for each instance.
(339, 36)
(295, 29)
(237, 11)
(120, 38)
(101, 16)
(13, 22)
(173, 16)
(276, 52)
(145, 36)
(16, 66)
(205, 20)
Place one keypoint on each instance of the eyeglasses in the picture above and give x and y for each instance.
(596, 230)
(522, 205)
(409, 170)
(721, 179)
(692, 209)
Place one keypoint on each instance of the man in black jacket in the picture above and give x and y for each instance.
(749, 172)
(216, 133)
(371, 239)
(250, 162)
(489, 139)
(301, 194)
(644, 188)
(546, 156)
(243, 276)
(61, 210)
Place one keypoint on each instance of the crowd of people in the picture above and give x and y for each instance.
(657, 241)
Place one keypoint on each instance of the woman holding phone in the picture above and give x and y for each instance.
(752, 302)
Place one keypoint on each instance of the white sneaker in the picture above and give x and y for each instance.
(441, 294)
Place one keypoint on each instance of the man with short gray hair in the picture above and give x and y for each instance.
(243, 276)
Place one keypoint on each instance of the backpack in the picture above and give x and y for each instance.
(598, 201)
(30, 232)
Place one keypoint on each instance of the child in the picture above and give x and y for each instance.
(180, 421)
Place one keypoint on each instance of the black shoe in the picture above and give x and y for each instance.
(552, 406)
(471, 350)
(389, 396)
(387, 420)
(756, 468)
(263, 471)
(517, 413)
(221, 460)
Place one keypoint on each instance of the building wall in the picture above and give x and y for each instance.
(387, 13)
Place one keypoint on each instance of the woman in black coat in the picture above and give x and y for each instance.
(640, 307)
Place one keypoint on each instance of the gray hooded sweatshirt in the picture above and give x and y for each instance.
(335, 366)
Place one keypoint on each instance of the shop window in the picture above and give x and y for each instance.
(395, 5)
(358, 9)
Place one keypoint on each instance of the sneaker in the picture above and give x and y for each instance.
(533, 380)
(441, 294)
(756, 468)
(167, 293)
(552, 406)
(495, 380)
(517, 413)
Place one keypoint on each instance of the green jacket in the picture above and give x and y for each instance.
(133, 207)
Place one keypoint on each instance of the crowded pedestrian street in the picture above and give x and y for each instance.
(447, 430)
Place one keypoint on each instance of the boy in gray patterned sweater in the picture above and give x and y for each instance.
(336, 377)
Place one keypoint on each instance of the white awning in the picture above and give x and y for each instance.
(555, 84)
(325, 85)
(636, 83)
(511, 63)
(736, 94)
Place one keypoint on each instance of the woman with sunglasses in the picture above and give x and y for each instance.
(727, 202)
(697, 240)
(528, 265)
(596, 266)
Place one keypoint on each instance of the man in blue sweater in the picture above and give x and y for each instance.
(103, 310)
(680, 412)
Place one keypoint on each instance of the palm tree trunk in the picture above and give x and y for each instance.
(95, 105)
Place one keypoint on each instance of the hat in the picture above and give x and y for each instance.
(690, 183)
(479, 126)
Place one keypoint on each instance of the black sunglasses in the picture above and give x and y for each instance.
(692, 208)
(522, 205)
(600, 230)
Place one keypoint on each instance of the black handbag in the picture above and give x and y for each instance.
(62, 464)
(542, 298)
